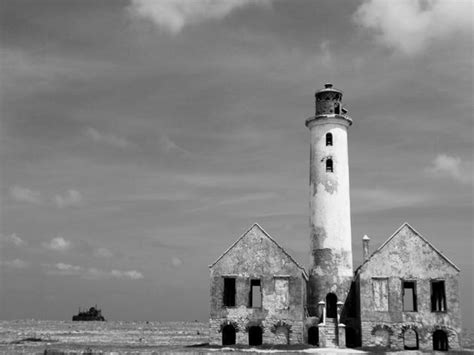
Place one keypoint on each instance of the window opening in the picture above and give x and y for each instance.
(410, 339)
(328, 139)
(255, 336)
(329, 165)
(282, 294)
(331, 305)
(255, 294)
(380, 294)
(229, 292)
(409, 296)
(228, 335)
(440, 340)
(313, 336)
(438, 296)
(336, 108)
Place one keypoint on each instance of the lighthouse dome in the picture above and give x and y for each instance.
(328, 101)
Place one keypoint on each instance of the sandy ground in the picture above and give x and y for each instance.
(115, 337)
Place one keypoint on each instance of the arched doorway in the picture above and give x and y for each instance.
(255, 336)
(381, 338)
(313, 336)
(228, 335)
(440, 340)
(282, 336)
(331, 305)
(410, 339)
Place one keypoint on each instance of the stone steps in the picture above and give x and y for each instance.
(331, 332)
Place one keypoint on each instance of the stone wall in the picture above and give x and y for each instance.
(291, 332)
(407, 257)
(391, 336)
(283, 290)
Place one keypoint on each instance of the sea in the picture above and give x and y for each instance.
(121, 337)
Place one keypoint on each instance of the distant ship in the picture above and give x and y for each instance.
(93, 314)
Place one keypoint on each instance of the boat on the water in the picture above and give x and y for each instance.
(93, 314)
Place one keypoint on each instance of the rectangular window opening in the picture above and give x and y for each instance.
(282, 292)
(380, 294)
(409, 296)
(255, 294)
(229, 292)
(438, 296)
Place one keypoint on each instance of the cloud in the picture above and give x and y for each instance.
(15, 264)
(168, 146)
(102, 253)
(176, 262)
(412, 25)
(70, 198)
(132, 274)
(106, 138)
(451, 167)
(91, 273)
(65, 269)
(173, 15)
(12, 239)
(58, 244)
(23, 194)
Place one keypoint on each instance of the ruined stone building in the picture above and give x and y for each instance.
(405, 295)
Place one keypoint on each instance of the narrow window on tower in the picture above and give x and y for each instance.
(329, 165)
(328, 139)
(229, 292)
(438, 297)
(409, 296)
(255, 297)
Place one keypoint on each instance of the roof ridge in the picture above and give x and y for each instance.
(269, 237)
(393, 236)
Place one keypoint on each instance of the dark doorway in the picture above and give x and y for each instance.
(351, 338)
(255, 336)
(440, 341)
(313, 336)
(331, 305)
(228, 335)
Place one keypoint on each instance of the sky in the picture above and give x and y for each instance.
(140, 139)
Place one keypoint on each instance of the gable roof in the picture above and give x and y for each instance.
(406, 225)
(257, 226)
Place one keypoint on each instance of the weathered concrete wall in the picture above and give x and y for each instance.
(407, 257)
(256, 256)
(330, 220)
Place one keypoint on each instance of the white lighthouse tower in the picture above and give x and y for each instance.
(330, 218)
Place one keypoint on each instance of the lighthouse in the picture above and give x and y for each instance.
(330, 218)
